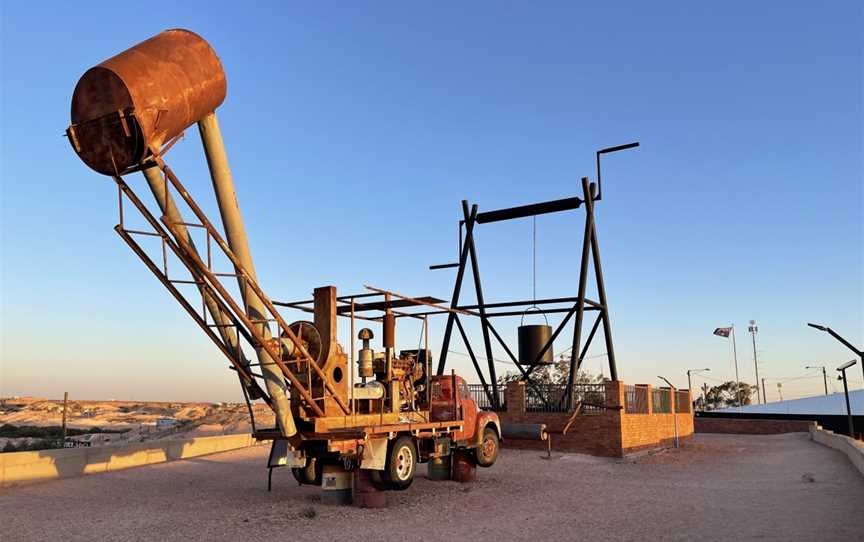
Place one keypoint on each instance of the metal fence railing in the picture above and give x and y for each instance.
(635, 399)
(481, 397)
(662, 401)
(552, 398)
(682, 401)
(591, 396)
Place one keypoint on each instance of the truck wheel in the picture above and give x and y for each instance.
(487, 452)
(311, 474)
(401, 463)
(378, 479)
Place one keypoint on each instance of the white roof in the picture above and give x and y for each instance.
(819, 404)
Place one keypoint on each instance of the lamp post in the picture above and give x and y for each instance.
(726, 332)
(690, 383)
(672, 408)
(735, 356)
(824, 375)
(753, 329)
(842, 370)
(847, 344)
(608, 150)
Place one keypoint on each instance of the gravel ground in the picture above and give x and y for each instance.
(719, 487)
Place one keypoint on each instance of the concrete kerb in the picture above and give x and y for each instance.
(18, 468)
(854, 449)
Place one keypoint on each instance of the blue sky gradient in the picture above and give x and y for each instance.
(355, 129)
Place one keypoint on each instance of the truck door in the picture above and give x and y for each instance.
(469, 410)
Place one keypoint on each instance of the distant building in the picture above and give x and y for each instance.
(165, 423)
(86, 441)
(818, 404)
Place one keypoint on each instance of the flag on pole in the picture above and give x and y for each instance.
(723, 331)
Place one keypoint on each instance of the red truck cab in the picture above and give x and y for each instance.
(481, 431)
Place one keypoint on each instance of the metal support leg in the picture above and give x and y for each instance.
(583, 284)
(484, 322)
(457, 289)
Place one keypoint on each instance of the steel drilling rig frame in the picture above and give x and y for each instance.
(590, 252)
(127, 113)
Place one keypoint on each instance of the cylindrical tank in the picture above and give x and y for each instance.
(532, 339)
(364, 363)
(364, 493)
(438, 468)
(389, 330)
(524, 431)
(138, 100)
(464, 466)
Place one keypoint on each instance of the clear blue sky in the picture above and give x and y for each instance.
(354, 129)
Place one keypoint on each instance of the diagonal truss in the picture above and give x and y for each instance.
(581, 304)
(211, 288)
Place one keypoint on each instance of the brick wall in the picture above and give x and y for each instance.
(613, 433)
(654, 430)
(751, 427)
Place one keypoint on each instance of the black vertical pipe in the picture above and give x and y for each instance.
(601, 286)
(848, 407)
(824, 381)
(457, 288)
(484, 322)
(583, 284)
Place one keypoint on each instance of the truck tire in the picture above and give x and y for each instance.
(378, 479)
(401, 464)
(309, 475)
(487, 452)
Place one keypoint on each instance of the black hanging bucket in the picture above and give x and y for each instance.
(532, 339)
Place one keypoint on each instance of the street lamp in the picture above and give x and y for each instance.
(608, 150)
(726, 332)
(824, 375)
(842, 370)
(690, 384)
(847, 344)
(753, 329)
(672, 408)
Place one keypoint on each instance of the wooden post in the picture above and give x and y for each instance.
(65, 401)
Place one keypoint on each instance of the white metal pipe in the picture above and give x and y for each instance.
(235, 233)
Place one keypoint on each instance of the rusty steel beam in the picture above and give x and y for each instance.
(253, 286)
(124, 189)
(165, 201)
(419, 301)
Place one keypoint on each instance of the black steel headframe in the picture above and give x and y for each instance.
(580, 303)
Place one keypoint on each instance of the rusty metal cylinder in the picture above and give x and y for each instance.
(365, 367)
(532, 339)
(524, 431)
(364, 494)
(128, 106)
(389, 330)
(464, 466)
(438, 468)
